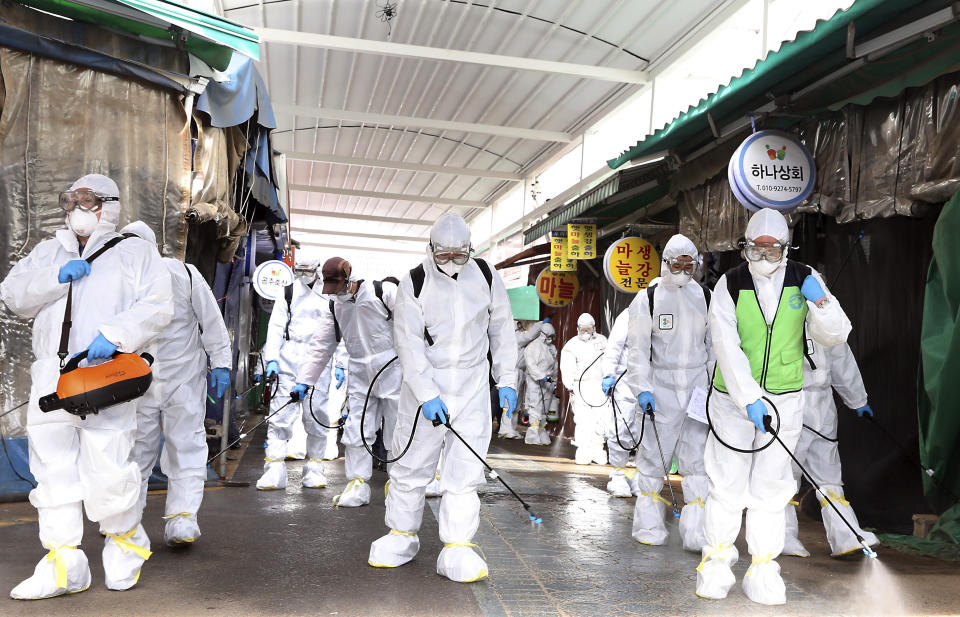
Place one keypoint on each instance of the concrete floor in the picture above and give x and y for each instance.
(292, 553)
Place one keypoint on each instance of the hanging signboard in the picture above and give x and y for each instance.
(557, 288)
(582, 239)
(559, 262)
(630, 264)
(771, 169)
(271, 277)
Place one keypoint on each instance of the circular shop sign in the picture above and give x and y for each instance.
(557, 288)
(271, 277)
(773, 169)
(630, 264)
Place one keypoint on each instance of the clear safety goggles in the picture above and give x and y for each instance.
(88, 201)
(585, 330)
(771, 252)
(304, 271)
(683, 264)
(445, 254)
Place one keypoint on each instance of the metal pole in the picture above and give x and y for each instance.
(225, 433)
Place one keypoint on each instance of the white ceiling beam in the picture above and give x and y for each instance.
(347, 247)
(362, 162)
(357, 234)
(465, 203)
(308, 111)
(362, 217)
(386, 48)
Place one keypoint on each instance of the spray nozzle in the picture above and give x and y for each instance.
(768, 424)
(536, 520)
(869, 552)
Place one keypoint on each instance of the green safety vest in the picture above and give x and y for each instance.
(776, 351)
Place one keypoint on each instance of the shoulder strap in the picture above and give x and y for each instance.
(706, 294)
(288, 296)
(650, 294)
(63, 351)
(378, 290)
(417, 276)
(190, 276)
(485, 269)
(799, 272)
(336, 324)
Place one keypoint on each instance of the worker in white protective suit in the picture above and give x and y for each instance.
(622, 435)
(757, 317)
(318, 406)
(450, 311)
(582, 374)
(824, 370)
(292, 324)
(173, 409)
(670, 359)
(120, 301)
(362, 316)
(508, 426)
(541, 375)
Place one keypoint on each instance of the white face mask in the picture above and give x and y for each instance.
(82, 223)
(675, 278)
(450, 268)
(585, 336)
(764, 268)
(308, 279)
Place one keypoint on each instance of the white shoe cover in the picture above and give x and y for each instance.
(123, 556)
(714, 575)
(544, 437)
(181, 530)
(461, 564)
(532, 437)
(433, 489)
(394, 549)
(356, 494)
(313, 476)
(649, 512)
(693, 513)
(619, 486)
(274, 476)
(842, 540)
(43, 583)
(763, 585)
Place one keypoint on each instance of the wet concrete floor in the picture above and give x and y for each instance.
(291, 553)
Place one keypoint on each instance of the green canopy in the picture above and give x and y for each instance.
(811, 56)
(208, 37)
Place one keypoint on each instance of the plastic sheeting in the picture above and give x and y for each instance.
(59, 122)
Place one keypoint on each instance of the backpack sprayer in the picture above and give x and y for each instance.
(85, 391)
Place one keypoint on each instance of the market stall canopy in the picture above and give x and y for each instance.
(208, 37)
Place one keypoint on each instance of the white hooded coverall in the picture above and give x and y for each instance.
(541, 362)
(367, 331)
(836, 370)
(87, 464)
(508, 426)
(762, 482)
(465, 317)
(582, 373)
(669, 357)
(174, 407)
(309, 311)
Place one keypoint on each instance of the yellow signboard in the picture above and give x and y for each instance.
(581, 240)
(630, 264)
(557, 288)
(559, 262)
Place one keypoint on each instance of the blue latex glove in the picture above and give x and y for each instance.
(220, 379)
(100, 348)
(545, 380)
(434, 409)
(257, 378)
(865, 410)
(545, 320)
(300, 391)
(607, 383)
(508, 400)
(273, 369)
(644, 399)
(756, 410)
(73, 270)
(340, 375)
(811, 289)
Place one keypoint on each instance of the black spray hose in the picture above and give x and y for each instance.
(869, 552)
(728, 446)
(293, 399)
(533, 517)
(339, 423)
(13, 409)
(847, 258)
(363, 416)
(821, 435)
(903, 452)
(616, 425)
(663, 460)
(580, 384)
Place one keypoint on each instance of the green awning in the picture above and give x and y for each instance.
(810, 56)
(208, 37)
